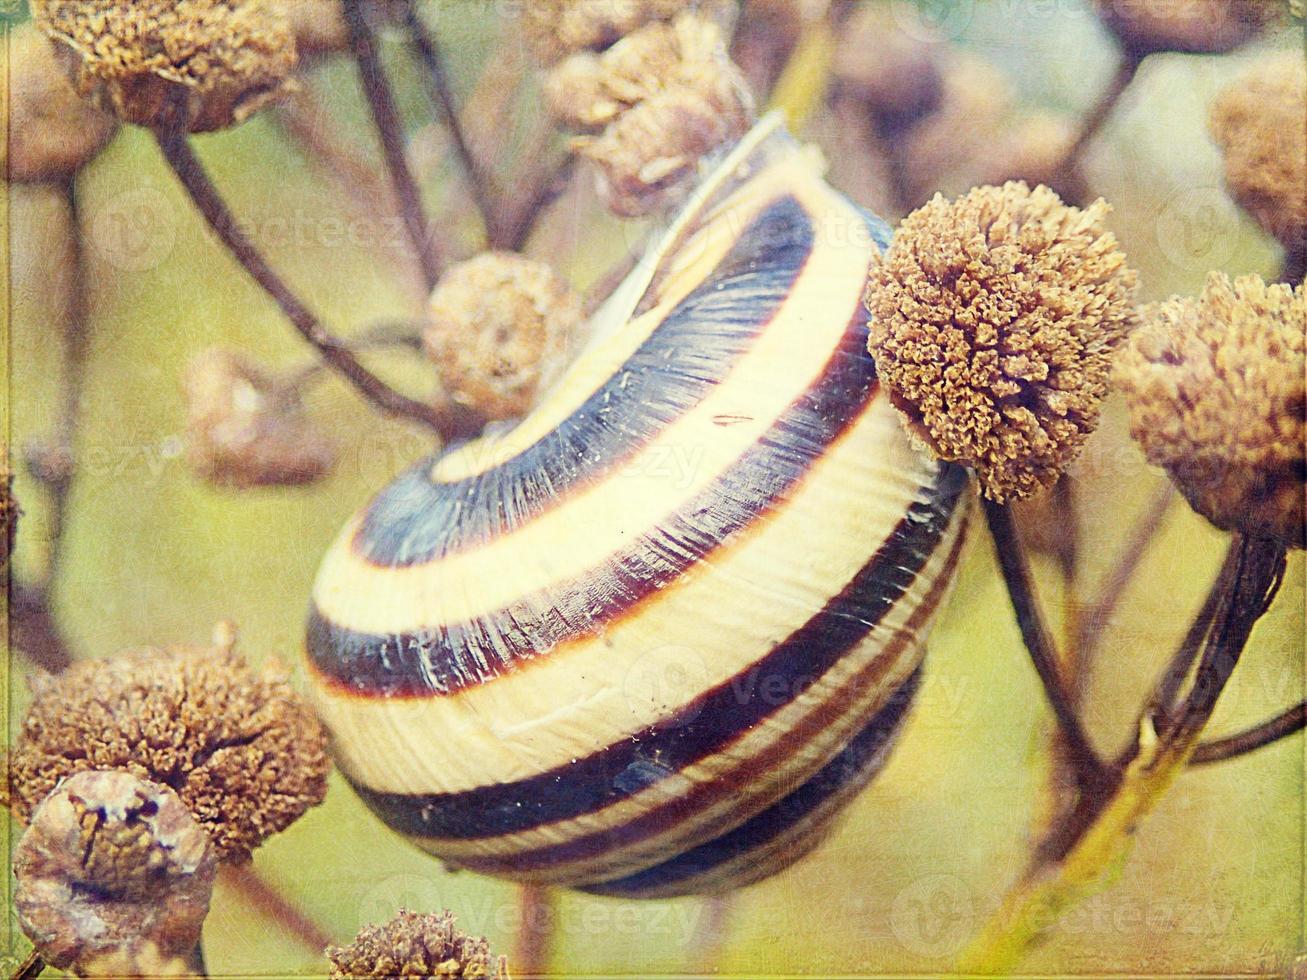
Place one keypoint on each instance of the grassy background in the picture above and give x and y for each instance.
(1215, 882)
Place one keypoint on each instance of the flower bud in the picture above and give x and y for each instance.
(247, 428)
(416, 945)
(1191, 26)
(993, 323)
(1217, 391)
(496, 325)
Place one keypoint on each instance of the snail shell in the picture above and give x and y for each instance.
(651, 640)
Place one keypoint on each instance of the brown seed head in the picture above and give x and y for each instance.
(1217, 390)
(993, 323)
(242, 750)
(497, 324)
(1259, 123)
(202, 64)
(248, 428)
(52, 132)
(556, 28)
(416, 945)
(669, 96)
(1193, 26)
(112, 865)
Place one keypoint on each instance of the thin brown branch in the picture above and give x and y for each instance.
(385, 114)
(1087, 767)
(364, 193)
(1257, 578)
(480, 182)
(542, 185)
(1096, 616)
(177, 150)
(1172, 680)
(31, 967)
(271, 903)
(1251, 739)
(33, 629)
(1098, 115)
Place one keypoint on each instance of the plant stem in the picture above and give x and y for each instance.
(1281, 726)
(710, 937)
(365, 194)
(270, 902)
(386, 117)
(479, 180)
(1109, 594)
(1097, 836)
(1098, 115)
(31, 967)
(33, 629)
(543, 185)
(177, 150)
(535, 931)
(1088, 769)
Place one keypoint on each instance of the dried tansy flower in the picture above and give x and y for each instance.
(1260, 123)
(113, 867)
(496, 325)
(242, 750)
(1193, 26)
(1217, 390)
(202, 64)
(416, 945)
(52, 132)
(993, 323)
(658, 133)
(247, 428)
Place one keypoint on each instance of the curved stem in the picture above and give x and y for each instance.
(177, 151)
(270, 902)
(479, 180)
(1089, 770)
(391, 132)
(1098, 115)
(1268, 732)
(1109, 594)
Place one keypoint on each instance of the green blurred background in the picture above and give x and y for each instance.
(1215, 882)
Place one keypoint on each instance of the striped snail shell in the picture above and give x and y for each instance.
(651, 640)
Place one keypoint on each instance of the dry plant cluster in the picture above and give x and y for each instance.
(1002, 316)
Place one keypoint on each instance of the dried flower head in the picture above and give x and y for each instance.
(416, 945)
(202, 64)
(52, 132)
(248, 428)
(556, 28)
(242, 750)
(1217, 390)
(891, 72)
(318, 26)
(939, 152)
(496, 325)
(1193, 26)
(1258, 123)
(112, 865)
(994, 320)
